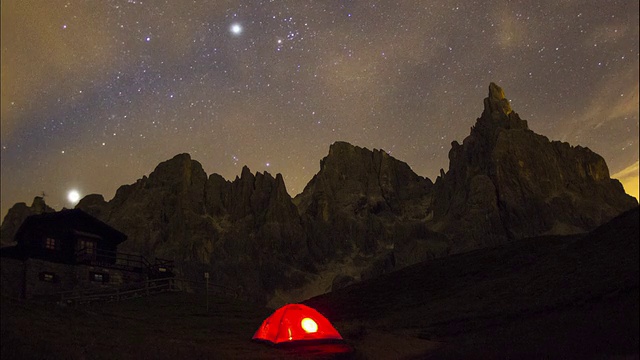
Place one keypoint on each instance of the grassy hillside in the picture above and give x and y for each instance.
(572, 297)
(170, 325)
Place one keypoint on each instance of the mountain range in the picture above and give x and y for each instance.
(363, 214)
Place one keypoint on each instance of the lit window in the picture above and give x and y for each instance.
(47, 276)
(88, 245)
(99, 277)
(50, 244)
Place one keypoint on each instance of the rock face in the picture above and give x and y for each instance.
(358, 201)
(506, 182)
(363, 214)
(247, 233)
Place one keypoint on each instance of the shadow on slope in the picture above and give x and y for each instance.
(570, 297)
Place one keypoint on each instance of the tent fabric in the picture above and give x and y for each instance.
(295, 323)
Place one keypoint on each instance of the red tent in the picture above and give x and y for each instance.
(294, 323)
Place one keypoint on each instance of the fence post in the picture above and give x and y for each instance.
(206, 277)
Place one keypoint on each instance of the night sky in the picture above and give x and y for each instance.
(96, 93)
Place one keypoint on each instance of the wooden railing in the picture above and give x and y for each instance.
(144, 288)
(117, 294)
(119, 260)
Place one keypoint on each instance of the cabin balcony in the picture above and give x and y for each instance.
(123, 261)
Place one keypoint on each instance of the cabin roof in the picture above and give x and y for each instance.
(74, 220)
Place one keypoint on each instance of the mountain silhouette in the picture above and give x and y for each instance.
(363, 214)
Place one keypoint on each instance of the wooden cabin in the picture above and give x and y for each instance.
(68, 237)
(71, 250)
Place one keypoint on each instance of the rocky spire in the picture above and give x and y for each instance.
(496, 101)
(16, 216)
(497, 114)
(522, 184)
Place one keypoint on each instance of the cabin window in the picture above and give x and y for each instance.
(99, 277)
(47, 276)
(88, 246)
(50, 244)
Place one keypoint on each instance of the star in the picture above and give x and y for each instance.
(287, 79)
(236, 29)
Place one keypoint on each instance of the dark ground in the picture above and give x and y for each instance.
(552, 297)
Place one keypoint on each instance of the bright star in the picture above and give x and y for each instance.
(236, 29)
(73, 196)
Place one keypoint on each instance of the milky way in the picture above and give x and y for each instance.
(96, 93)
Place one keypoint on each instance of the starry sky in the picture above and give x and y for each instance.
(96, 93)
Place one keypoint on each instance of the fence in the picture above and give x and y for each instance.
(124, 261)
(144, 288)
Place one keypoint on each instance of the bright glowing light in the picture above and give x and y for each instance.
(309, 325)
(236, 29)
(73, 196)
(629, 179)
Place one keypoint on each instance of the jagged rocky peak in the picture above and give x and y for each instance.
(496, 101)
(93, 204)
(352, 162)
(181, 169)
(497, 114)
(38, 206)
(91, 200)
(340, 148)
(180, 176)
(16, 215)
(352, 178)
(343, 156)
(523, 184)
(251, 194)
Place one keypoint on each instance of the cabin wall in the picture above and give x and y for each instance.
(37, 283)
(116, 277)
(33, 278)
(11, 277)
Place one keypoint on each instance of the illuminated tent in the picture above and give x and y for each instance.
(296, 323)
